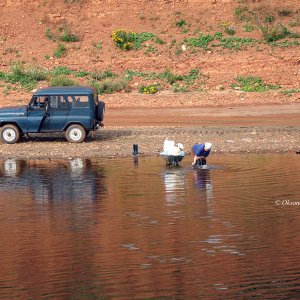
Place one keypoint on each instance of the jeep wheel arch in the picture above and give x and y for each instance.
(100, 111)
(10, 134)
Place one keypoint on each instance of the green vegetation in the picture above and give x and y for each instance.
(269, 19)
(149, 89)
(130, 40)
(181, 23)
(202, 41)
(109, 86)
(248, 27)
(243, 13)
(60, 51)
(291, 91)
(253, 84)
(61, 80)
(274, 33)
(63, 34)
(235, 43)
(27, 78)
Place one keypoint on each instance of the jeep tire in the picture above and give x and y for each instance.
(100, 111)
(75, 134)
(10, 134)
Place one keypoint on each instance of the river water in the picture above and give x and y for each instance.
(136, 229)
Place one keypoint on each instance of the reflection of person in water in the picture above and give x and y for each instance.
(203, 181)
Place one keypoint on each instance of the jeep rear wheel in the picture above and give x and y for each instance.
(10, 134)
(75, 134)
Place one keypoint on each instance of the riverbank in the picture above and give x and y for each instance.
(234, 129)
(118, 142)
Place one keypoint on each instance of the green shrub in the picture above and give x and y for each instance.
(169, 77)
(253, 84)
(60, 51)
(130, 40)
(62, 34)
(109, 86)
(235, 43)
(26, 78)
(82, 74)
(275, 33)
(61, 70)
(269, 19)
(242, 13)
(248, 27)
(181, 23)
(103, 75)
(149, 89)
(68, 37)
(61, 80)
(202, 41)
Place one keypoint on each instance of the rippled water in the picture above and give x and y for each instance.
(136, 229)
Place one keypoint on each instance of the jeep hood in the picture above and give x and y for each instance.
(12, 111)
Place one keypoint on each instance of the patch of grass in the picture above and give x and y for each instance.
(159, 41)
(248, 27)
(269, 19)
(178, 88)
(62, 34)
(61, 70)
(68, 37)
(285, 44)
(169, 77)
(109, 86)
(290, 91)
(274, 33)
(253, 84)
(61, 80)
(128, 40)
(151, 49)
(243, 13)
(235, 43)
(202, 41)
(181, 23)
(82, 74)
(103, 75)
(60, 51)
(27, 78)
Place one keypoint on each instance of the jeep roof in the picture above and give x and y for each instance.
(70, 90)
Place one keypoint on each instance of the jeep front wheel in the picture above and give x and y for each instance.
(10, 134)
(75, 134)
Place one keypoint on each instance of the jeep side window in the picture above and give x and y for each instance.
(79, 101)
(38, 102)
(57, 102)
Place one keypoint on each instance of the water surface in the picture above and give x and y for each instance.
(136, 229)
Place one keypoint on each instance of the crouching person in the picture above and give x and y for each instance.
(200, 153)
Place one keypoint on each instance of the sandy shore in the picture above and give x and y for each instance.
(254, 129)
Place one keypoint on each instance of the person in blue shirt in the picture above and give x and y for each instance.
(200, 152)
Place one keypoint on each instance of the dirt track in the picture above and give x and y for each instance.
(231, 130)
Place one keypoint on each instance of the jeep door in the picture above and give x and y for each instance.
(58, 112)
(37, 114)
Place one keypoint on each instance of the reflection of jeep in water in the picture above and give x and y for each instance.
(74, 110)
